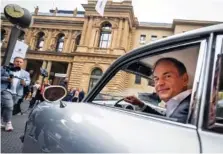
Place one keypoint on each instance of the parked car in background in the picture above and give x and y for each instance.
(104, 123)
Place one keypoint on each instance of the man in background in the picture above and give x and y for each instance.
(13, 81)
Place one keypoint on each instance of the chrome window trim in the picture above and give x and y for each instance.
(203, 90)
(218, 50)
(198, 83)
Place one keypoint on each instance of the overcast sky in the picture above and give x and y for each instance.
(146, 10)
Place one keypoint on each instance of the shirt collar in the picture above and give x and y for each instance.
(172, 104)
(181, 96)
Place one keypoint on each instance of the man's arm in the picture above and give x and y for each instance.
(4, 76)
(149, 109)
(144, 108)
(26, 81)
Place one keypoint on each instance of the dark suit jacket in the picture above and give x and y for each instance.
(180, 113)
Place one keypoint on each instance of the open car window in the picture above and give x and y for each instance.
(136, 78)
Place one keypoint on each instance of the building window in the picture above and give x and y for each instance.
(137, 79)
(3, 33)
(78, 39)
(142, 39)
(95, 76)
(40, 41)
(60, 43)
(21, 36)
(153, 37)
(105, 36)
(164, 36)
(77, 42)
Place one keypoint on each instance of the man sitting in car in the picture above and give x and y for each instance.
(171, 85)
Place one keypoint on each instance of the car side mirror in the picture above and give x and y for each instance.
(54, 93)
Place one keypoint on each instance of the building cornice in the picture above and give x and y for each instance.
(117, 10)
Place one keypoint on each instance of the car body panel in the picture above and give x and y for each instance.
(89, 127)
(213, 140)
(83, 127)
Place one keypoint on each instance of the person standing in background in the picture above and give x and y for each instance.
(81, 95)
(13, 81)
(35, 88)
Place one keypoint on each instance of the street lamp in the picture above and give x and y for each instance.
(20, 18)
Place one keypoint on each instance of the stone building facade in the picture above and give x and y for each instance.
(82, 45)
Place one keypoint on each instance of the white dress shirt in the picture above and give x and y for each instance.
(14, 83)
(172, 104)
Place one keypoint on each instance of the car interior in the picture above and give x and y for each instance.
(142, 68)
(125, 83)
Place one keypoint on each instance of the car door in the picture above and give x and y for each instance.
(210, 123)
(159, 134)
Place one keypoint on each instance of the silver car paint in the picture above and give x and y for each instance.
(83, 127)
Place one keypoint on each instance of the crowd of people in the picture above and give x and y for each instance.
(16, 87)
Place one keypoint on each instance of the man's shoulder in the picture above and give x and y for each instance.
(24, 71)
(187, 99)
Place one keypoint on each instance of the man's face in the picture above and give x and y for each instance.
(18, 62)
(168, 81)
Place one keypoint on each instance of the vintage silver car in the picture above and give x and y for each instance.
(101, 123)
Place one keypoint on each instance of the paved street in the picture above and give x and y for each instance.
(10, 142)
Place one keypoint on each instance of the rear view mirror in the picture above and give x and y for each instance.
(54, 93)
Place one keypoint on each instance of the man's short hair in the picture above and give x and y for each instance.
(18, 58)
(179, 65)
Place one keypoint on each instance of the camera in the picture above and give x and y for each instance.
(43, 72)
(9, 68)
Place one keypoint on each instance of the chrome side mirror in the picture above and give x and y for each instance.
(54, 93)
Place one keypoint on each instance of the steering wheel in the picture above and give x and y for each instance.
(117, 103)
(127, 107)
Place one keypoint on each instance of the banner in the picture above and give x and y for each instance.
(100, 6)
(60, 75)
(19, 50)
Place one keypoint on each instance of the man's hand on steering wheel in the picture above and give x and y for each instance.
(134, 101)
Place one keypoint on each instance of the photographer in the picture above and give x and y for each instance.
(13, 81)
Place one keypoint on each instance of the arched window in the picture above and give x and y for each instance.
(3, 33)
(60, 43)
(22, 36)
(95, 76)
(105, 35)
(40, 41)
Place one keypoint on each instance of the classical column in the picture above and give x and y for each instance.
(119, 33)
(27, 37)
(32, 42)
(46, 45)
(68, 43)
(52, 45)
(84, 32)
(48, 67)
(97, 36)
(68, 70)
(93, 37)
(125, 34)
(88, 35)
(113, 38)
(43, 66)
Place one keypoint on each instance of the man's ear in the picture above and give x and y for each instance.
(185, 79)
